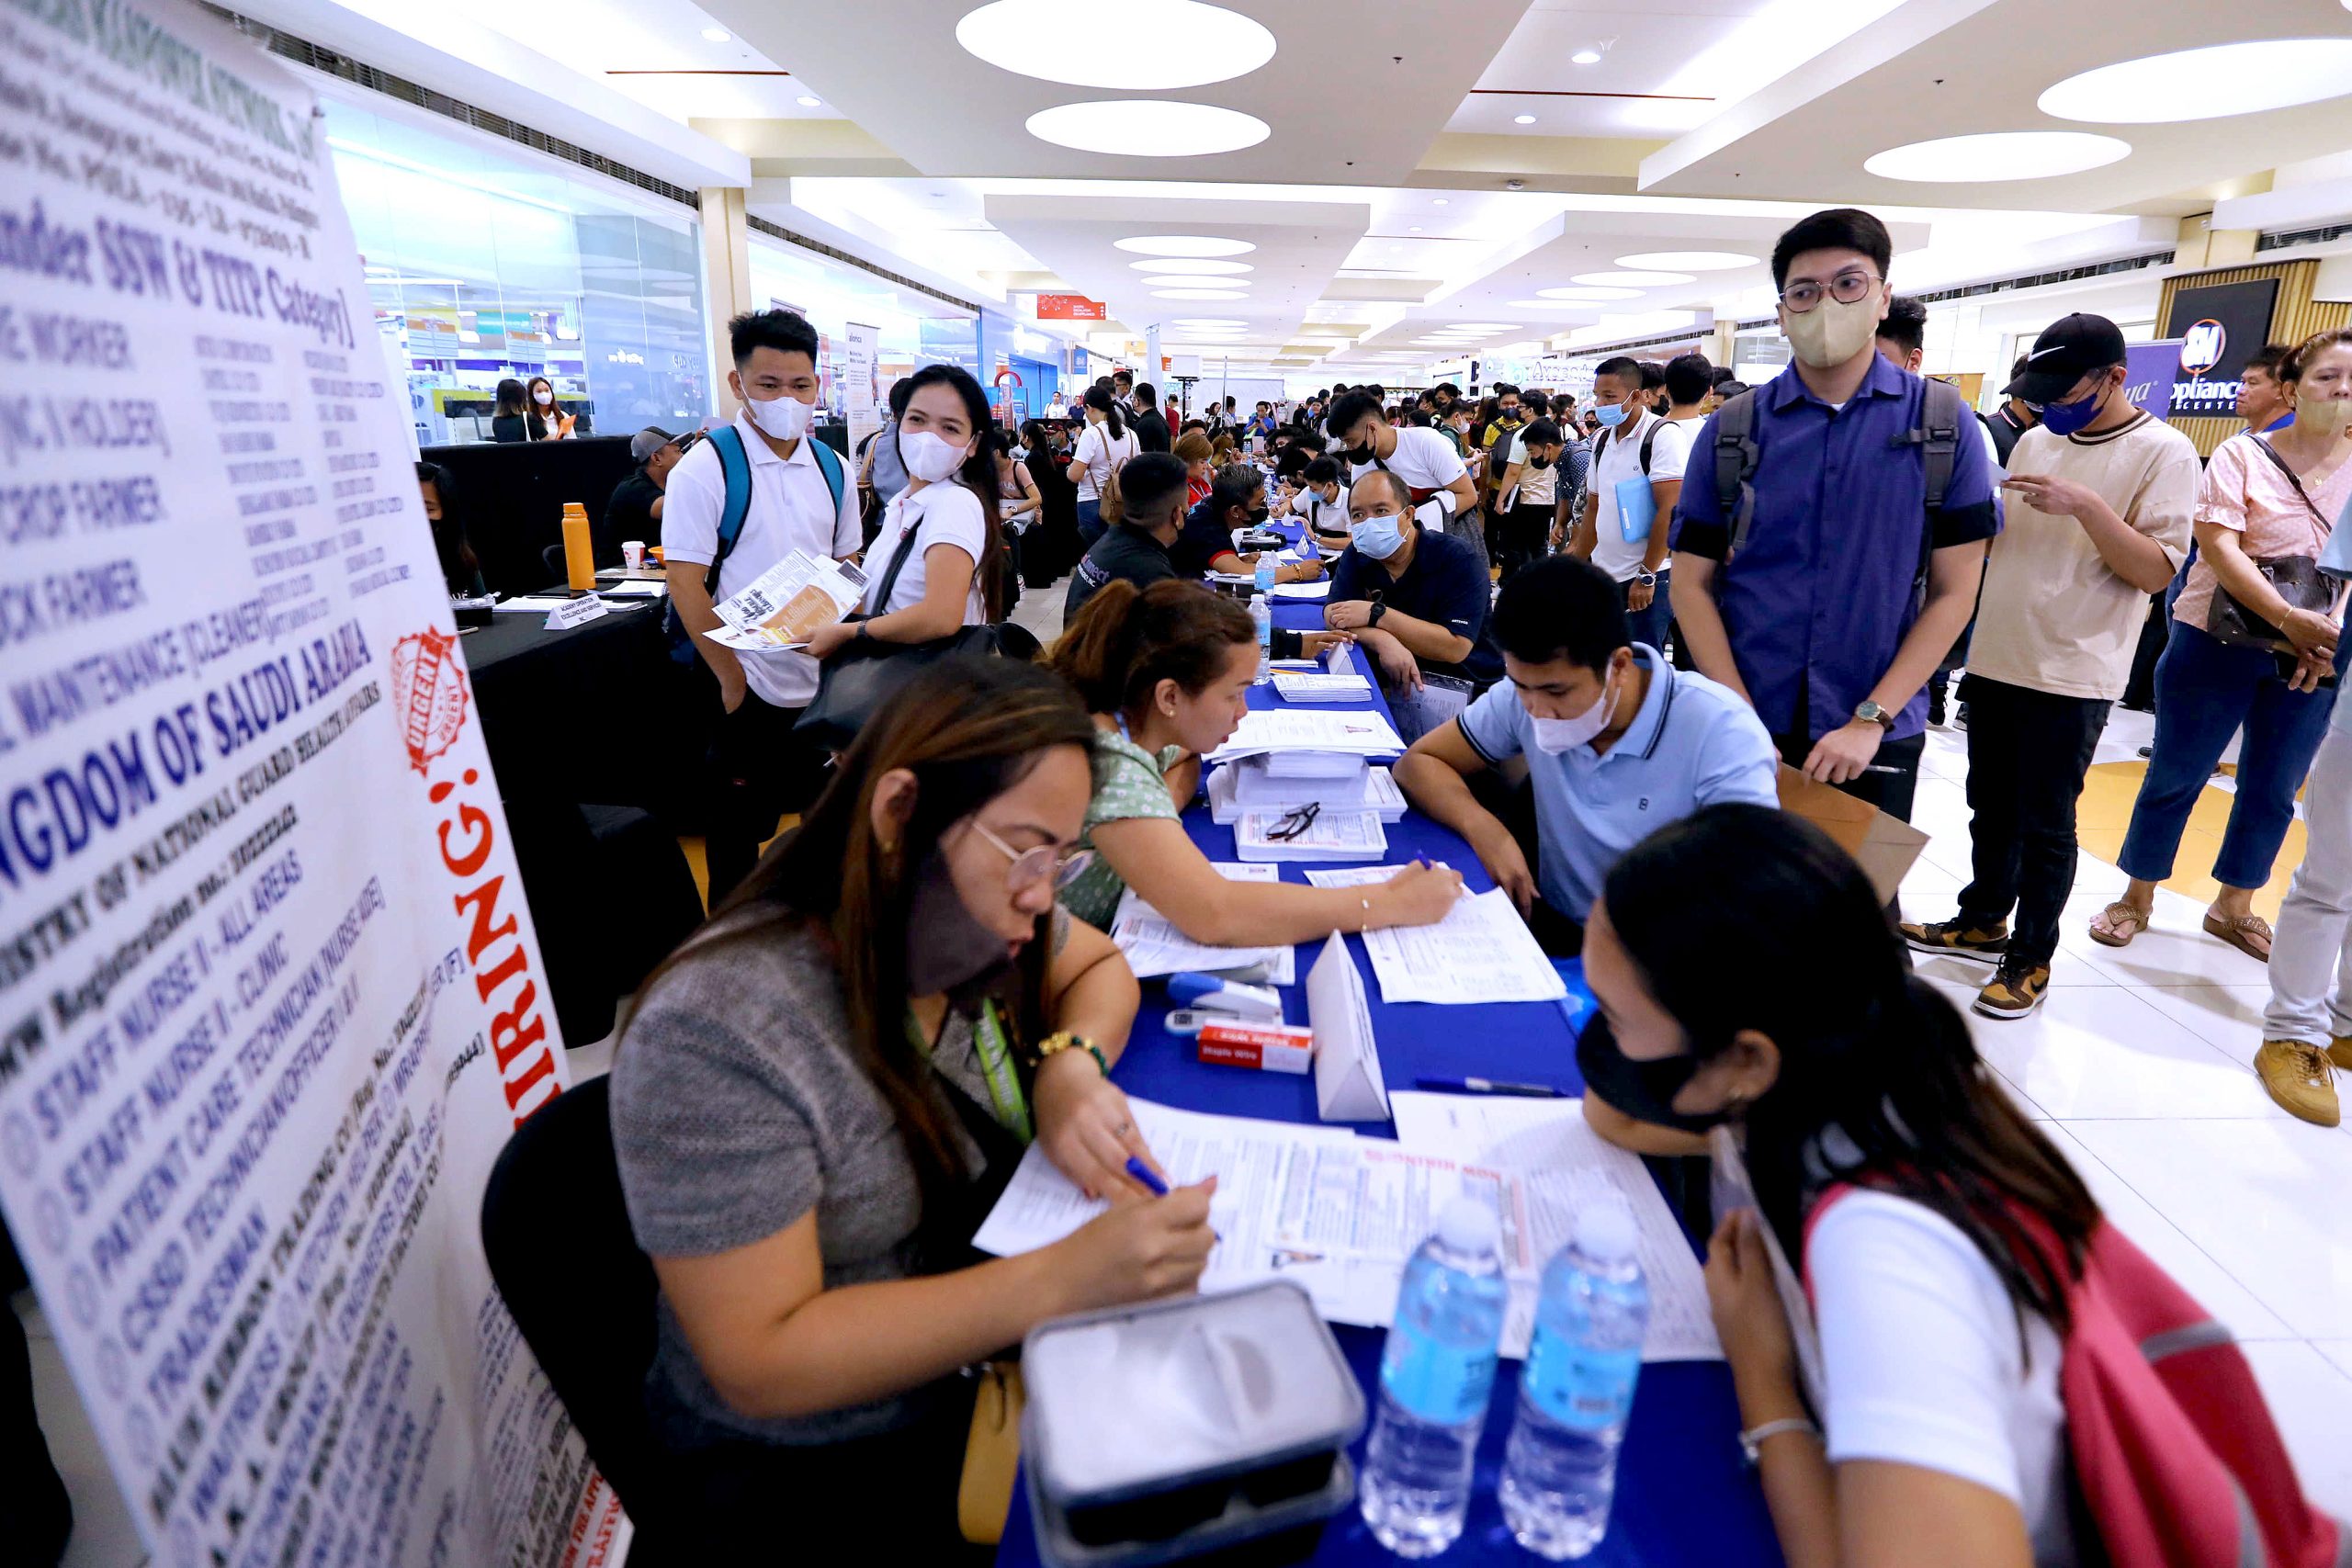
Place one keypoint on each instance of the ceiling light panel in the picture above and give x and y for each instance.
(1148, 128)
(1687, 261)
(1592, 295)
(1631, 280)
(2206, 84)
(1198, 294)
(2000, 154)
(1187, 281)
(1182, 245)
(1135, 46)
(1195, 265)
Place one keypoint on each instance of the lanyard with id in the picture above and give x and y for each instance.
(1006, 1100)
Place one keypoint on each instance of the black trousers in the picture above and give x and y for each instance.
(2027, 754)
(1522, 534)
(760, 771)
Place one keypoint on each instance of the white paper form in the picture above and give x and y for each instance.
(1730, 1189)
(1482, 952)
(1380, 795)
(1251, 1159)
(1361, 876)
(788, 604)
(1289, 729)
(1155, 946)
(1318, 589)
(1561, 1163)
(1332, 836)
(1322, 688)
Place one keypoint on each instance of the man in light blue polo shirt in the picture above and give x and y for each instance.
(1618, 743)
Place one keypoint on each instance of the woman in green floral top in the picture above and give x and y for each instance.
(1166, 672)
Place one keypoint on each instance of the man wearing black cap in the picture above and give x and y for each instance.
(635, 509)
(2100, 498)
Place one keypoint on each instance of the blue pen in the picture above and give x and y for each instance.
(1158, 1188)
(1491, 1086)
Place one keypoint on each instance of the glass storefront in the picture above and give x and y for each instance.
(911, 327)
(484, 264)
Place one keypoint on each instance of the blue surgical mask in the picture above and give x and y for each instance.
(2065, 419)
(1610, 414)
(1378, 536)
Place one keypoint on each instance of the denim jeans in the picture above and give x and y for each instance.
(2205, 690)
(1090, 525)
(1648, 627)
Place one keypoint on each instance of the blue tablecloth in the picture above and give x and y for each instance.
(1684, 1495)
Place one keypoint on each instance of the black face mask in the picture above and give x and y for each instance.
(1643, 1090)
(1258, 519)
(1539, 462)
(947, 949)
(1364, 454)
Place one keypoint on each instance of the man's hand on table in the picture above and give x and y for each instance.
(1506, 863)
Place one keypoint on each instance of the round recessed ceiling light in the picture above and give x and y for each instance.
(1198, 294)
(1199, 281)
(806, 102)
(2207, 84)
(1631, 280)
(1192, 264)
(1687, 261)
(1554, 304)
(715, 35)
(1182, 245)
(1148, 128)
(1135, 45)
(1523, 119)
(1441, 202)
(1211, 323)
(1593, 296)
(2005, 155)
(1586, 57)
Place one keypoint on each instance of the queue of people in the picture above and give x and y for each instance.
(818, 1094)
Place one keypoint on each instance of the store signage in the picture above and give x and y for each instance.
(2147, 377)
(271, 1000)
(2218, 326)
(1070, 308)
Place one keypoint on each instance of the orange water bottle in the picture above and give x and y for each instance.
(579, 548)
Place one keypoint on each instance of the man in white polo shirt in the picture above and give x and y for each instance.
(1443, 497)
(1636, 477)
(800, 500)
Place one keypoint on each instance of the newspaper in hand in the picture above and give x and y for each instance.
(787, 604)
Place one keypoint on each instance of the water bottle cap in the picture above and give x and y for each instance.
(1467, 1225)
(1607, 1230)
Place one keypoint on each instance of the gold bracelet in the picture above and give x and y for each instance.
(1063, 1040)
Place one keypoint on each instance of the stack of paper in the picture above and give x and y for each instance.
(1331, 836)
(1376, 793)
(1318, 589)
(1482, 952)
(1282, 732)
(1322, 688)
(1154, 945)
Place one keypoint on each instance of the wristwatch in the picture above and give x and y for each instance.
(1379, 608)
(1871, 713)
(1063, 1040)
(1646, 579)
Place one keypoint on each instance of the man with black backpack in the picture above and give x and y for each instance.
(1831, 551)
(1634, 479)
(757, 490)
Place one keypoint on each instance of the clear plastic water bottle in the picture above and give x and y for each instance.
(1261, 615)
(1560, 1469)
(1435, 1374)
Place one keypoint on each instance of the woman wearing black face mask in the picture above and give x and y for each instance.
(821, 1094)
(1940, 1322)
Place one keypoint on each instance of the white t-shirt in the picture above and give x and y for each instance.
(1920, 1355)
(791, 510)
(1103, 457)
(1330, 516)
(943, 513)
(1621, 458)
(1425, 460)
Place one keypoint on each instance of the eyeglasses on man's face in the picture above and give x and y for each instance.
(1847, 287)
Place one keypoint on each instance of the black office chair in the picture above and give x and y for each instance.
(552, 1216)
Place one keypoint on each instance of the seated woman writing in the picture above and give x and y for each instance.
(822, 1092)
(1166, 671)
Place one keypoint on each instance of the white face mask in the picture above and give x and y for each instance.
(1832, 332)
(544, 396)
(929, 458)
(1554, 736)
(787, 419)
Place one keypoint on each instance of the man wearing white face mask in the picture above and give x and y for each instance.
(1831, 530)
(788, 492)
(1417, 600)
(1617, 745)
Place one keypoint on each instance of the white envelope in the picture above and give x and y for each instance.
(1348, 1085)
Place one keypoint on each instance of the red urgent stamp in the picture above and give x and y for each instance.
(429, 693)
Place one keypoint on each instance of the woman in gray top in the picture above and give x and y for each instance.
(822, 1092)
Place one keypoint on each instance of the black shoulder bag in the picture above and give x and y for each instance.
(2295, 579)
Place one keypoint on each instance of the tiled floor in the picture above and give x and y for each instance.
(2138, 1065)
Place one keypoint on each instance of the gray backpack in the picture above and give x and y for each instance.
(1943, 414)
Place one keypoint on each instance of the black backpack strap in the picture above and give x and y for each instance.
(897, 563)
(1943, 412)
(1650, 445)
(1736, 455)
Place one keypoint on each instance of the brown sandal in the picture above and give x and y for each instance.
(2116, 925)
(2250, 934)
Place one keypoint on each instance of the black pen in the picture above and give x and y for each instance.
(1492, 1086)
